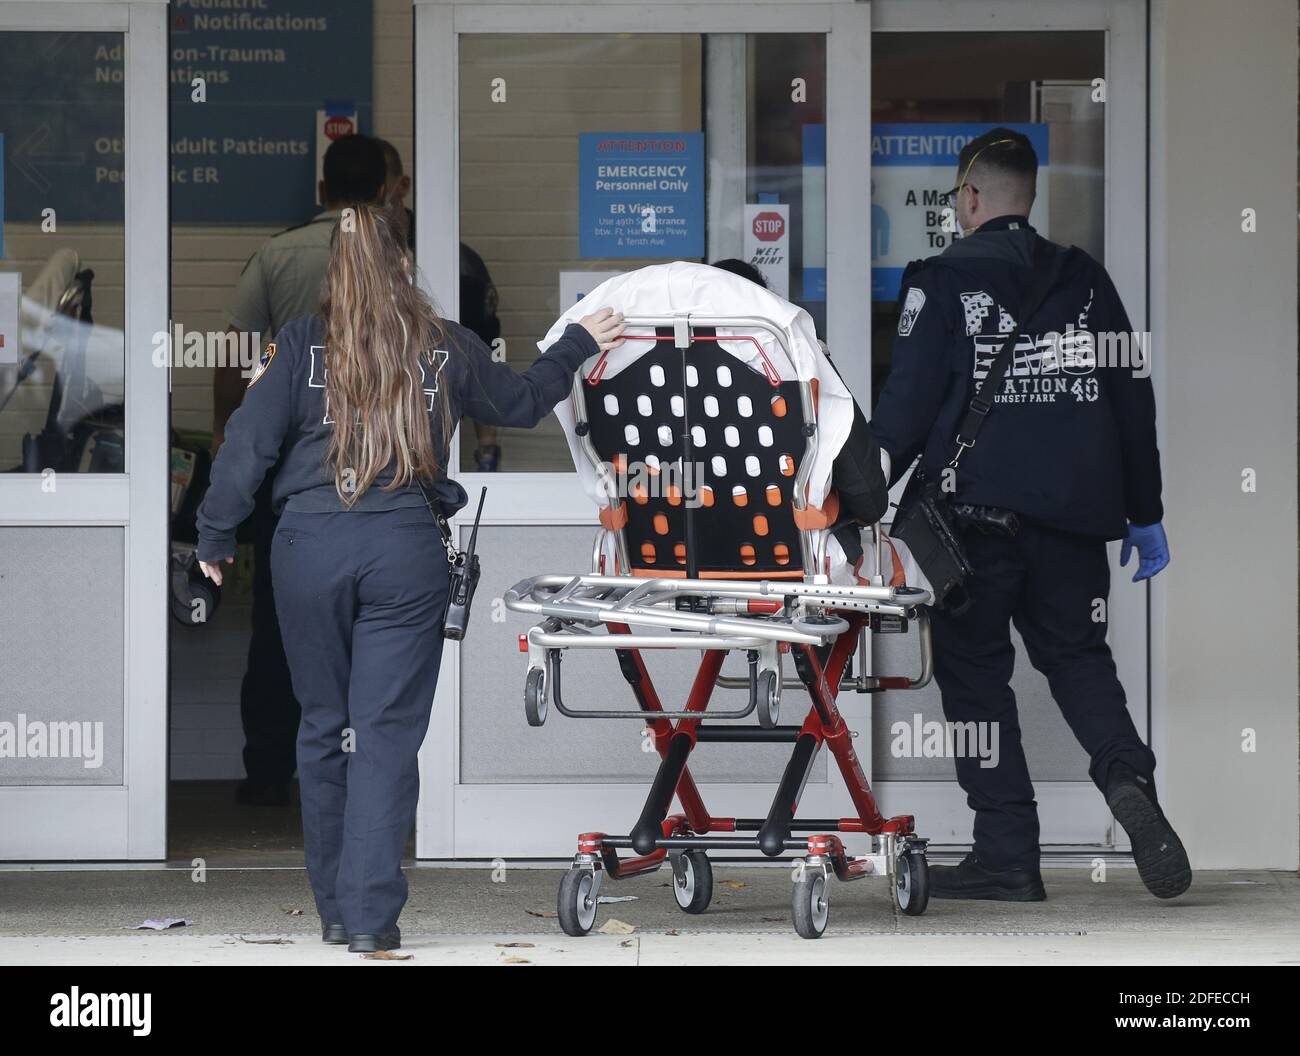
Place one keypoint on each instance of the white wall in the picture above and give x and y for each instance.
(1224, 327)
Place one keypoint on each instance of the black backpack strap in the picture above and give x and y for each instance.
(1046, 273)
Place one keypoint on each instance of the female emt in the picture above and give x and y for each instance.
(358, 404)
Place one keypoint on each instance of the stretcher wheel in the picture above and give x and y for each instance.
(535, 696)
(577, 902)
(769, 698)
(811, 902)
(694, 888)
(912, 882)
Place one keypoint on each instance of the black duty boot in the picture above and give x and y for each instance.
(334, 934)
(972, 880)
(1161, 861)
(389, 940)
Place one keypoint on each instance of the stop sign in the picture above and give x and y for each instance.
(768, 226)
(338, 126)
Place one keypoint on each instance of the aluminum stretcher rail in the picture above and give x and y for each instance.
(723, 576)
(748, 615)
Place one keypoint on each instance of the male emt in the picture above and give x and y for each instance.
(1068, 449)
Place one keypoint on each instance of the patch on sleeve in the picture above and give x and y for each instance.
(911, 309)
(268, 354)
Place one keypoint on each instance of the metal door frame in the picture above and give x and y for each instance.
(1073, 809)
(127, 821)
(465, 821)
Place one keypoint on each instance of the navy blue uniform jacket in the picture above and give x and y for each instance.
(1071, 440)
(283, 418)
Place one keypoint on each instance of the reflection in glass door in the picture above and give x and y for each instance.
(568, 141)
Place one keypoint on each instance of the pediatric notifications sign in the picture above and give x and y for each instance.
(641, 194)
(248, 153)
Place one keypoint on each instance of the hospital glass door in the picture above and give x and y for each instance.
(1078, 92)
(553, 107)
(772, 108)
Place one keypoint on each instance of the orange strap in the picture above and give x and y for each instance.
(898, 578)
(613, 517)
(810, 518)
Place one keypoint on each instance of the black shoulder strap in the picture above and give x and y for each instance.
(440, 519)
(1046, 273)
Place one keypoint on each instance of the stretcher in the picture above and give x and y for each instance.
(701, 440)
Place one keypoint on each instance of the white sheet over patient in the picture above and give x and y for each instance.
(697, 289)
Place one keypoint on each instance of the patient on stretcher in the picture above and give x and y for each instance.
(843, 485)
(857, 476)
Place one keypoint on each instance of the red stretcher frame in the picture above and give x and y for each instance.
(657, 832)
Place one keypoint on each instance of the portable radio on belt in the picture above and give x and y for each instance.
(463, 569)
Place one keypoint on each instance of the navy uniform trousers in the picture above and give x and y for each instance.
(1048, 584)
(267, 708)
(361, 598)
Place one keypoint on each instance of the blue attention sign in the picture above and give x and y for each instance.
(913, 167)
(641, 194)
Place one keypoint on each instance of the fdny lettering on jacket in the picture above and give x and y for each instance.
(317, 371)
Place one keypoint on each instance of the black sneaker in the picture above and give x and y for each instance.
(389, 940)
(1161, 861)
(972, 880)
(334, 934)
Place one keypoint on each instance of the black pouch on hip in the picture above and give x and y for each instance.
(924, 523)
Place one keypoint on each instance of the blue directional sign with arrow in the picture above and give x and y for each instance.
(242, 153)
(61, 112)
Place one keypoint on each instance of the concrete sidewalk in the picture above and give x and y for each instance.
(468, 915)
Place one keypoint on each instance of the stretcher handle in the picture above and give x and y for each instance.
(879, 683)
(553, 663)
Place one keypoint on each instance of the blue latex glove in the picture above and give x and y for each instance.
(1152, 548)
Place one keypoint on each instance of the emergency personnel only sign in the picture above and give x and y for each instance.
(913, 167)
(641, 194)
